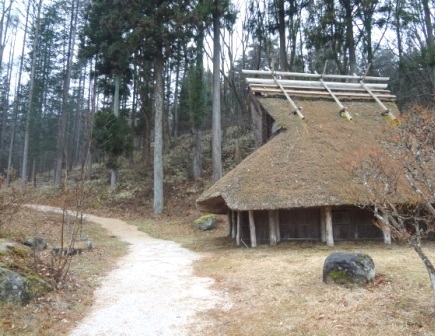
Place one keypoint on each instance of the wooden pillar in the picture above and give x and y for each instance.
(278, 230)
(329, 231)
(252, 229)
(273, 223)
(234, 232)
(322, 225)
(230, 223)
(239, 220)
(386, 231)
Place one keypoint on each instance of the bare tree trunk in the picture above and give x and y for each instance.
(177, 80)
(430, 37)
(114, 174)
(350, 41)
(158, 130)
(61, 137)
(30, 102)
(197, 157)
(282, 38)
(216, 121)
(17, 98)
(5, 102)
(429, 266)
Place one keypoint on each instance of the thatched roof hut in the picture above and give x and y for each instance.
(300, 174)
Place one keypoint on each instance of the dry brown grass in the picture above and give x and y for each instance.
(279, 291)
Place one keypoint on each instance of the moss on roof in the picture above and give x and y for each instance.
(302, 166)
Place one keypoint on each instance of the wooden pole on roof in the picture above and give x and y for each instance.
(311, 76)
(239, 224)
(273, 223)
(252, 229)
(329, 230)
(292, 103)
(386, 110)
(343, 111)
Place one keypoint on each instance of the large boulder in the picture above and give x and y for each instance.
(206, 222)
(18, 289)
(349, 269)
(10, 247)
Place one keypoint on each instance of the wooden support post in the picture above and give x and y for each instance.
(234, 232)
(322, 225)
(230, 223)
(252, 229)
(278, 230)
(273, 223)
(329, 231)
(239, 224)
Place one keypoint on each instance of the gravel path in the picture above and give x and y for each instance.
(152, 291)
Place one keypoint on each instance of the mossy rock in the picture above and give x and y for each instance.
(10, 247)
(20, 289)
(349, 269)
(206, 222)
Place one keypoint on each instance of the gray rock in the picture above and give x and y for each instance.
(18, 289)
(79, 247)
(36, 243)
(206, 222)
(10, 247)
(348, 269)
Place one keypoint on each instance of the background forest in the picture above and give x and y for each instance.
(86, 81)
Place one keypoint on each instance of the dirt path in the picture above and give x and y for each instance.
(152, 291)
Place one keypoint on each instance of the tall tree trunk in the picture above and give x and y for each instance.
(30, 101)
(5, 103)
(283, 63)
(350, 41)
(177, 82)
(115, 173)
(61, 137)
(158, 129)
(430, 38)
(197, 157)
(17, 99)
(216, 104)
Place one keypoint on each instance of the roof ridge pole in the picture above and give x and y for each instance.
(297, 110)
(386, 110)
(343, 112)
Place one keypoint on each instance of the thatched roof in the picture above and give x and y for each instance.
(302, 166)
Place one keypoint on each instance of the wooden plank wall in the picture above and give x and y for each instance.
(352, 223)
(300, 224)
(349, 223)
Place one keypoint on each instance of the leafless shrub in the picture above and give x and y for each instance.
(398, 182)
